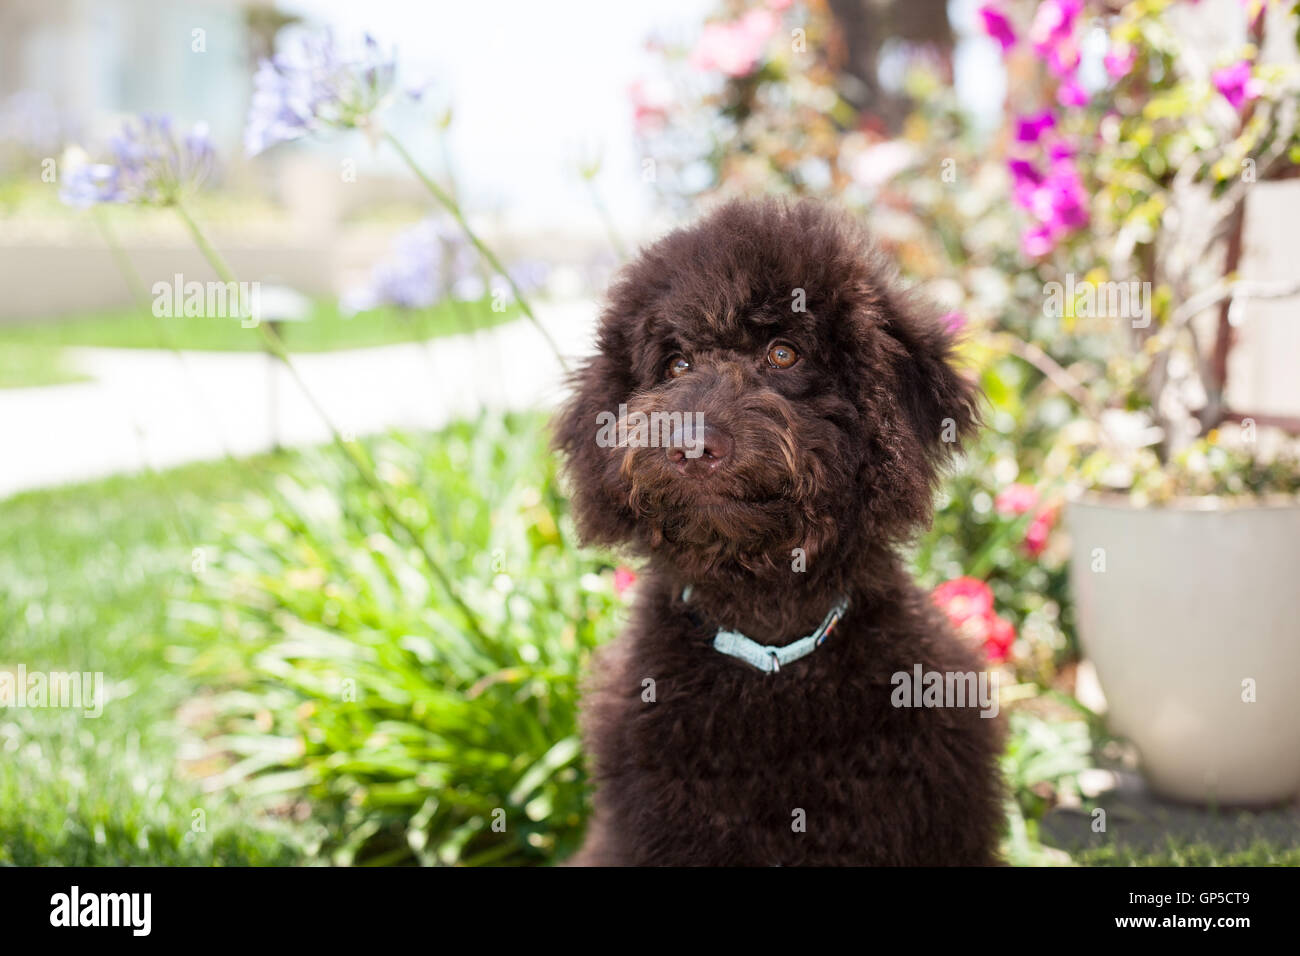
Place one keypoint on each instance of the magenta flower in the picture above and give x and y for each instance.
(1071, 93)
(1053, 24)
(1030, 129)
(1236, 84)
(1056, 199)
(1025, 179)
(1037, 242)
(1060, 152)
(1063, 59)
(954, 322)
(1052, 34)
(998, 26)
(1062, 202)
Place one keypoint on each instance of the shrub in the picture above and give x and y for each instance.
(353, 691)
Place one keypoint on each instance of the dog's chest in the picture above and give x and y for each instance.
(751, 767)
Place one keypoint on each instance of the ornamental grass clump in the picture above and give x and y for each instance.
(353, 695)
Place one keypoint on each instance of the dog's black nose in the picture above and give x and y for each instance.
(699, 451)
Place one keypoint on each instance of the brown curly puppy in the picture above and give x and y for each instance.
(828, 405)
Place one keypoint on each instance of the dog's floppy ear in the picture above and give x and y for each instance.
(598, 386)
(930, 406)
(940, 403)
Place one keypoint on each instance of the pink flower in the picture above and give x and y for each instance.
(1071, 93)
(1052, 34)
(1026, 180)
(1236, 84)
(954, 322)
(650, 102)
(734, 48)
(1038, 531)
(1060, 152)
(1016, 499)
(1119, 61)
(1053, 24)
(998, 26)
(1057, 200)
(1063, 58)
(624, 578)
(1065, 198)
(1037, 242)
(1030, 129)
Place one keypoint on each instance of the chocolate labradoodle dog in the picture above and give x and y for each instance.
(747, 715)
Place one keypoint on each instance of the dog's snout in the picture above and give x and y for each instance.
(699, 451)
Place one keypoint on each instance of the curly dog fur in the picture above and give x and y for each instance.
(700, 758)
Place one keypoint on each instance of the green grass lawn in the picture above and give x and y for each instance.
(87, 575)
(30, 351)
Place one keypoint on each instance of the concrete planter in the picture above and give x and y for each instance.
(1195, 600)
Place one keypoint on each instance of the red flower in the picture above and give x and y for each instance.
(968, 603)
(1037, 533)
(964, 598)
(997, 645)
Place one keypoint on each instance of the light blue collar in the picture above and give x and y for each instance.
(770, 658)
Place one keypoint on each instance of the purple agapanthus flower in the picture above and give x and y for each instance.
(429, 261)
(91, 183)
(313, 84)
(154, 167)
(150, 165)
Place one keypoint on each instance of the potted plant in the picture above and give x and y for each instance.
(1185, 517)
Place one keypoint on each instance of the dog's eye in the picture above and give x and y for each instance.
(677, 366)
(781, 355)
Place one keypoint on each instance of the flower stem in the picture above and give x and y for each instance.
(275, 346)
(448, 203)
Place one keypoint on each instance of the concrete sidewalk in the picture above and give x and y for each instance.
(149, 408)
